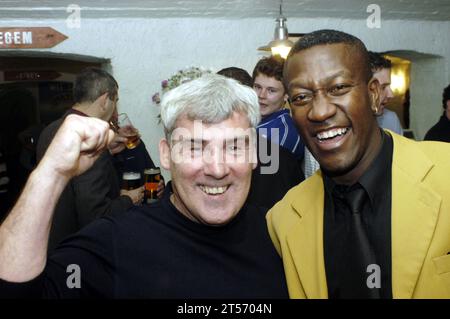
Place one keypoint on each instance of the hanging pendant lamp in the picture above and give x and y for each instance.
(280, 45)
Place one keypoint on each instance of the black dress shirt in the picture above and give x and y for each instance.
(376, 216)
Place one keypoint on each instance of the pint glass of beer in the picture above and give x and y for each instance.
(131, 180)
(126, 129)
(152, 176)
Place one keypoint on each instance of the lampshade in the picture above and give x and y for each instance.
(280, 44)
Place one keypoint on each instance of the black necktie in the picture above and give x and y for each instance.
(359, 253)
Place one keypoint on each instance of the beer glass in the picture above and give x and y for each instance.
(126, 129)
(131, 180)
(152, 176)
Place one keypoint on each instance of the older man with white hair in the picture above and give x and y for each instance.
(200, 241)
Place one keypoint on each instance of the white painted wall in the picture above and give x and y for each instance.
(145, 51)
(426, 89)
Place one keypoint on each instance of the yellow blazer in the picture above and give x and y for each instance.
(420, 226)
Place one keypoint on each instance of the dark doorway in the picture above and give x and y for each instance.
(33, 93)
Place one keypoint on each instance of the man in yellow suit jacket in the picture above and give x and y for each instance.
(406, 210)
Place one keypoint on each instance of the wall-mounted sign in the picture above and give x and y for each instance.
(30, 38)
(31, 75)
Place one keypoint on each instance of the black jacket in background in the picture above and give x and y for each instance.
(88, 196)
(440, 131)
(267, 189)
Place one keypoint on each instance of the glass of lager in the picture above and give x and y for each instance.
(152, 176)
(126, 129)
(131, 180)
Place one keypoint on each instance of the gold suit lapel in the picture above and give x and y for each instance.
(305, 240)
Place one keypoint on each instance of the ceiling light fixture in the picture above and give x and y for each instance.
(280, 45)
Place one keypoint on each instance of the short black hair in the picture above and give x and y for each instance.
(378, 61)
(445, 96)
(270, 66)
(238, 74)
(91, 83)
(326, 36)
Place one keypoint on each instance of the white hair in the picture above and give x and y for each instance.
(211, 98)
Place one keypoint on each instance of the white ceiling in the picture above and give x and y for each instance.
(235, 9)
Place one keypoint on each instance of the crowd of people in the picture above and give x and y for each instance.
(237, 218)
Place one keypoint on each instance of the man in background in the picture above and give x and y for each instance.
(272, 96)
(238, 74)
(441, 130)
(381, 70)
(96, 192)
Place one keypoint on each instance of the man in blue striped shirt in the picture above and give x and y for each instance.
(276, 123)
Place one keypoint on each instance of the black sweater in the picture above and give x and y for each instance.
(155, 252)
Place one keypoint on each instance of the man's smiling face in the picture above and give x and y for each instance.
(333, 104)
(210, 167)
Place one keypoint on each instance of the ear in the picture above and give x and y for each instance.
(448, 105)
(164, 154)
(102, 101)
(374, 94)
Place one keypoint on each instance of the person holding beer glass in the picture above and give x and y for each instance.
(127, 130)
(131, 180)
(96, 192)
(136, 159)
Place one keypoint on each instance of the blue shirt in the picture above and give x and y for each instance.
(280, 128)
(390, 121)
